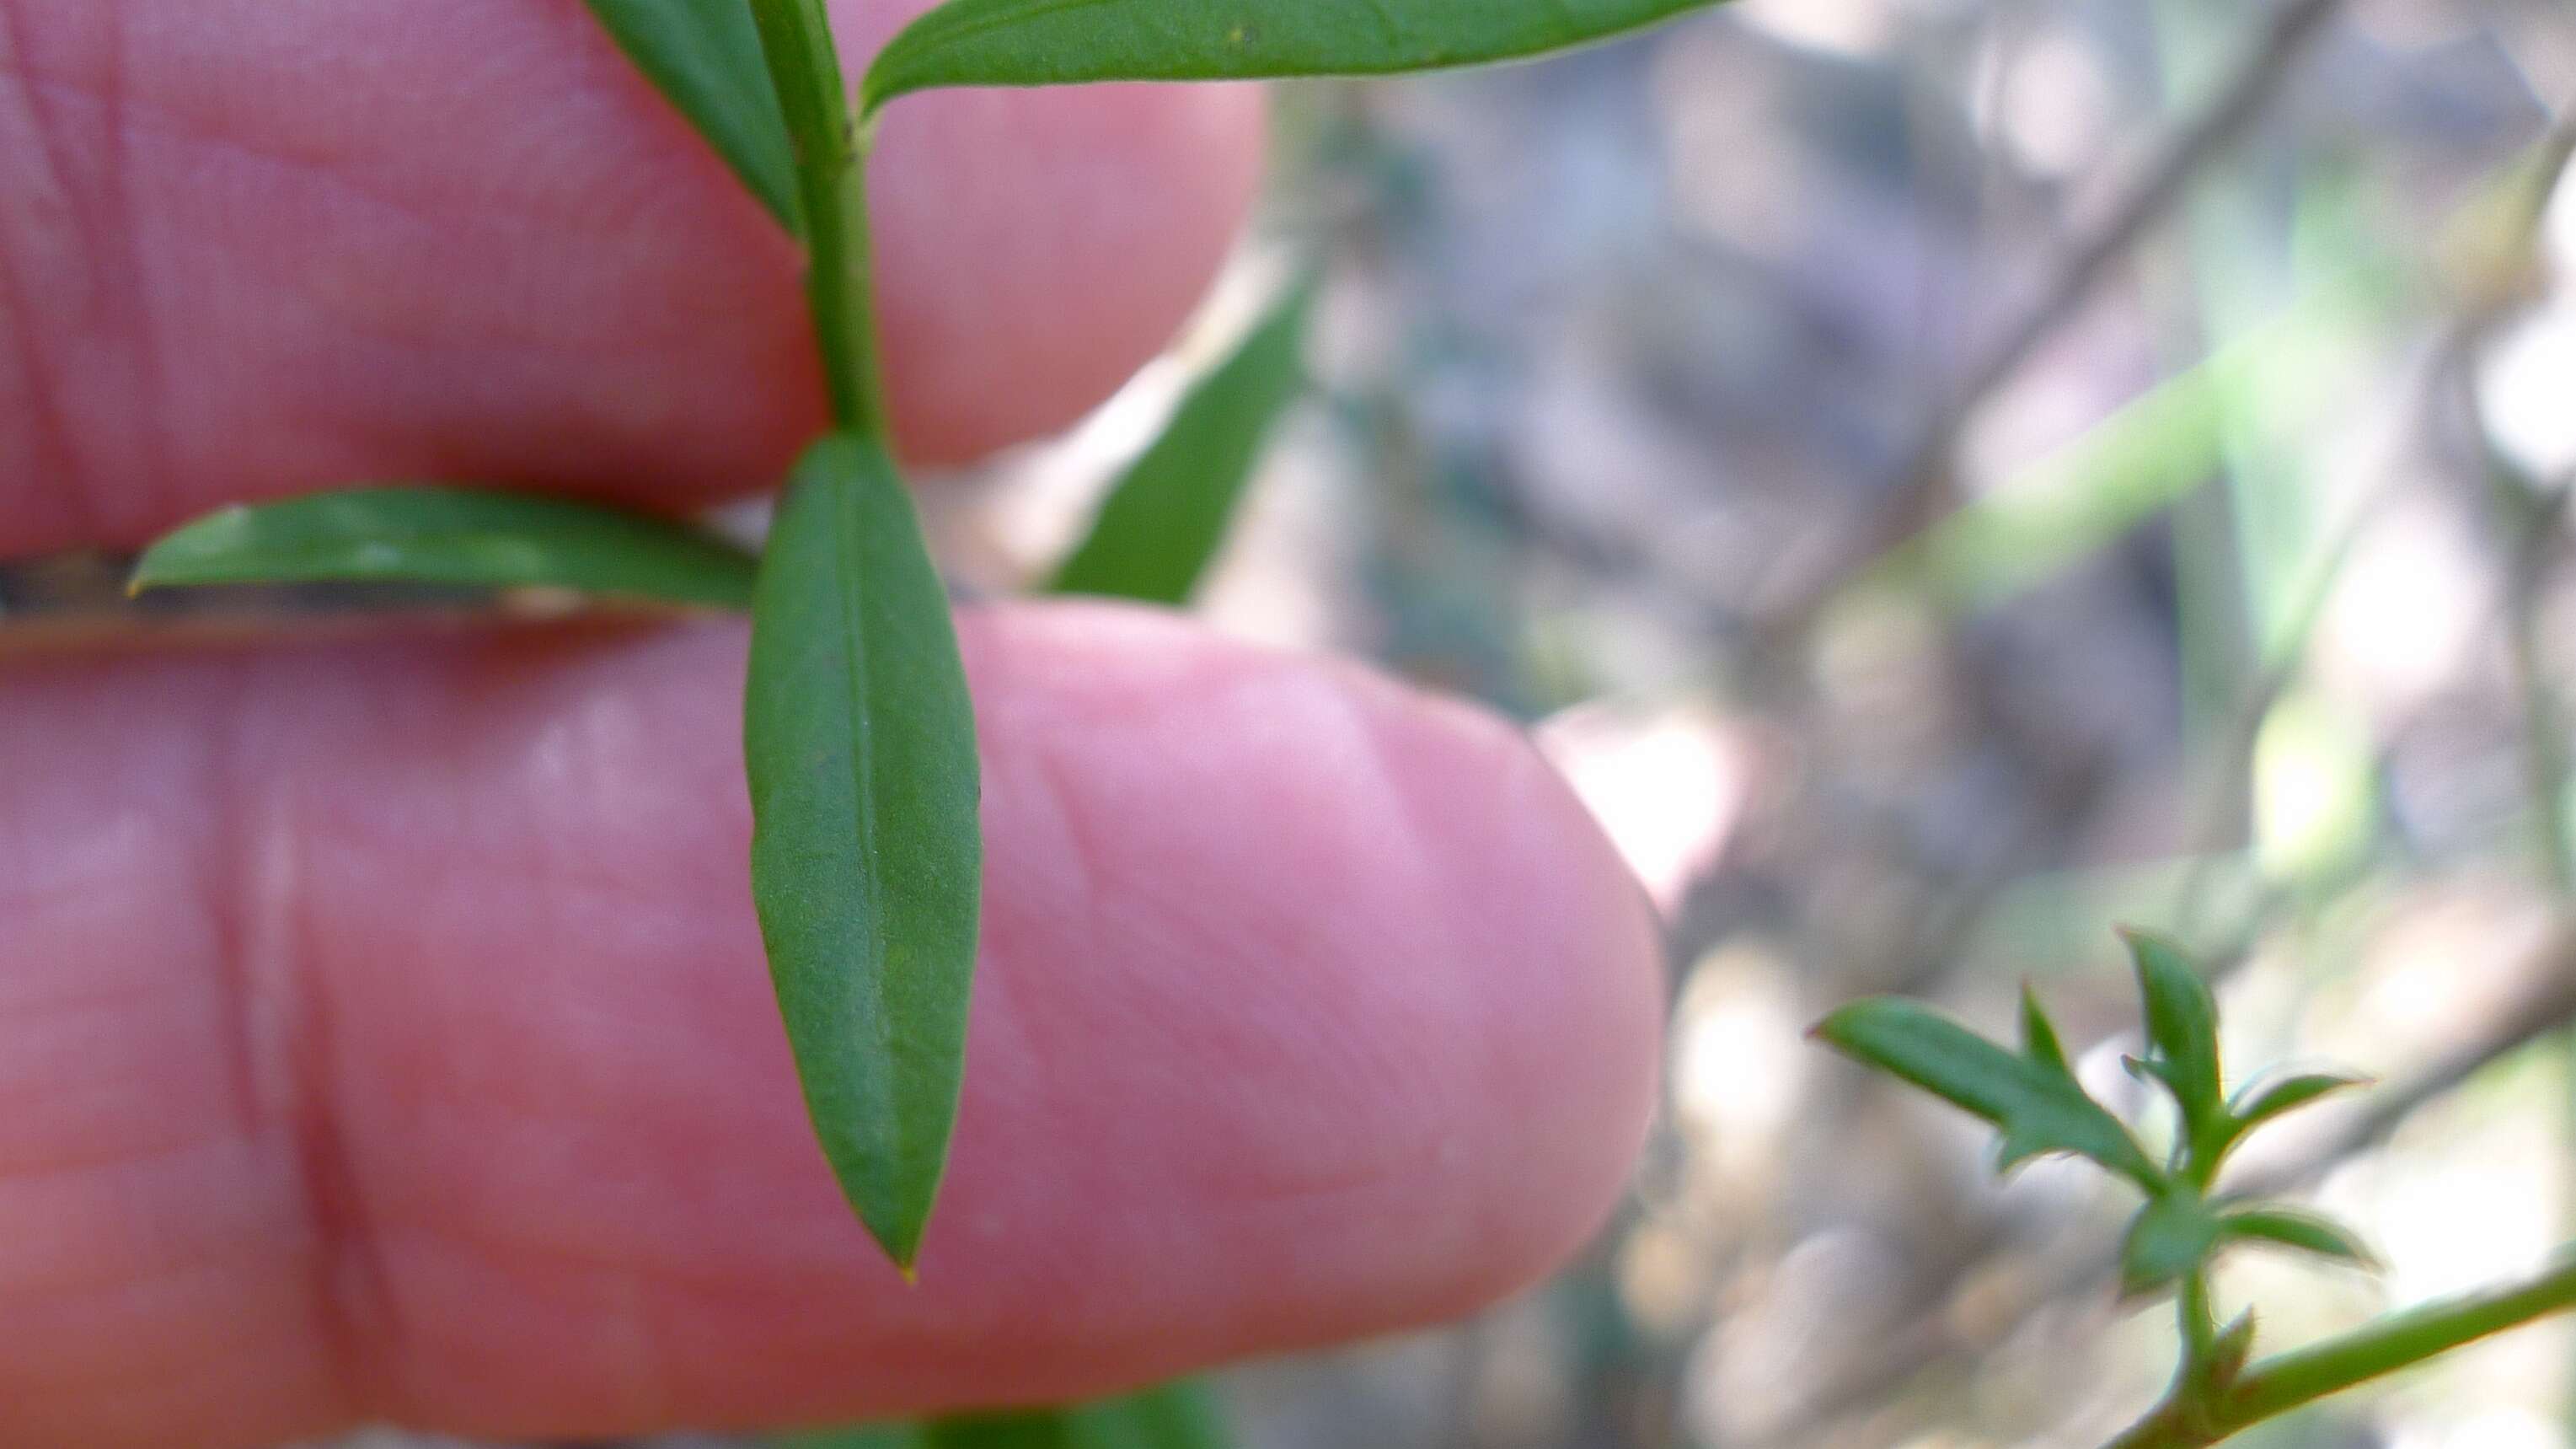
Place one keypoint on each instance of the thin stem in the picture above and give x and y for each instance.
(2199, 1326)
(2278, 1385)
(831, 179)
(2294, 1380)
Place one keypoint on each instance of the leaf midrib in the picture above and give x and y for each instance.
(849, 525)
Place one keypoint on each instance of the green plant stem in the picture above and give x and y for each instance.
(2294, 1380)
(831, 180)
(2199, 1326)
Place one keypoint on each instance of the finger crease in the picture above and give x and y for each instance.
(281, 1041)
(24, 133)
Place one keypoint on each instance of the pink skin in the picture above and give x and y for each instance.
(383, 1031)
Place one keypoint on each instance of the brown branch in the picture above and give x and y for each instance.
(2178, 162)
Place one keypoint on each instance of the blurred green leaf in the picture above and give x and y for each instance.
(454, 536)
(705, 56)
(2306, 1232)
(2229, 1351)
(1166, 519)
(866, 856)
(882, 1436)
(2039, 1035)
(2261, 1102)
(2032, 1100)
(2182, 1030)
(1182, 1415)
(2152, 453)
(2171, 1236)
(1060, 42)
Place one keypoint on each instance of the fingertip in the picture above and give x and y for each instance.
(1310, 1007)
(1063, 265)
(1558, 962)
(551, 283)
(1475, 1013)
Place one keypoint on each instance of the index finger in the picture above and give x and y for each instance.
(256, 247)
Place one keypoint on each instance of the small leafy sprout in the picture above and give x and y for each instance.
(2033, 1100)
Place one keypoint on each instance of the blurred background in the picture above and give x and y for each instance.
(1945, 477)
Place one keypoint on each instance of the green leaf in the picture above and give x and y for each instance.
(454, 536)
(1062, 42)
(2033, 1100)
(1176, 1416)
(2305, 1232)
(705, 57)
(2252, 1108)
(1180, 1415)
(2228, 1353)
(2171, 1236)
(881, 1436)
(866, 857)
(2182, 1030)
(2039, 1035)
(1166, 519)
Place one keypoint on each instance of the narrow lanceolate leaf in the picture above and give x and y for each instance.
(2033, 1101)
(865, 858)
(1060, 42)
(1166, 519)
(705, 56)
(2304, 1232)
(2172, 1235)
(2265, 1101)
(454, 536)
(1176, 1416)
(2182, 1029)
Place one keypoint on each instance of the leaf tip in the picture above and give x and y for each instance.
(1834, 1026)
(901, 1244)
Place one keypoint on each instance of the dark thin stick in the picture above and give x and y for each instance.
(2179, 162)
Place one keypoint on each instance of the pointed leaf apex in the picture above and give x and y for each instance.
(2228, 1355)
(2182, 1029)
(2039, 1035)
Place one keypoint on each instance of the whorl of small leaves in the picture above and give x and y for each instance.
(2035, 1102)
